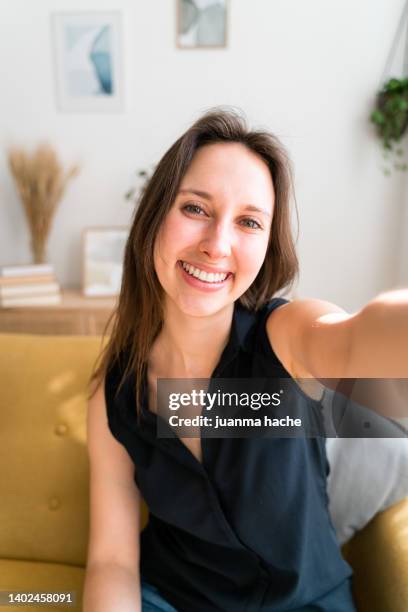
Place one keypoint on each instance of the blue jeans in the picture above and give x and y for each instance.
(340, 599)
(152, 601)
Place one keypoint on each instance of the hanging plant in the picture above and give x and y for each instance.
(391, 119)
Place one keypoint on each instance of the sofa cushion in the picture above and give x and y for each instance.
(44, 489)
(32, 576)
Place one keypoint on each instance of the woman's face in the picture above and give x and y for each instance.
(213, 240)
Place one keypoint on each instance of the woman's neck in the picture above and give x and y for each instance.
(190, 347)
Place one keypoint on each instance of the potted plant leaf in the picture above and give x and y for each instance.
(390, 117)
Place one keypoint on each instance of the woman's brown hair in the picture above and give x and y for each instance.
(138, 317)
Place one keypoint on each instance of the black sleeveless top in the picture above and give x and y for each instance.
(249, 528)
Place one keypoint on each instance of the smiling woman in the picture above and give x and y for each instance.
(207, 184)
(236, 523)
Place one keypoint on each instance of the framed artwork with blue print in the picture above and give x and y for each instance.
(87, 50)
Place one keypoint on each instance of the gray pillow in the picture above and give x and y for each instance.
(367, 474)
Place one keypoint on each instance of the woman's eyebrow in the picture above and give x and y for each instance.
(208, 196)
(253, 208)
(201, 194)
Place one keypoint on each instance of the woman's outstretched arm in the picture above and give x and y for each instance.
(379, 339)
(320, 340)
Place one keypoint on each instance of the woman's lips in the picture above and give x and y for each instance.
(206, 268)
(203, 285)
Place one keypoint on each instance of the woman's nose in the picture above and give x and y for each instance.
(217, 241)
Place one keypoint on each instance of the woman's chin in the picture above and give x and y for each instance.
(204, 307)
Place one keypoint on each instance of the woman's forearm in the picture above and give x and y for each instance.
(379, 340)
(110, 587)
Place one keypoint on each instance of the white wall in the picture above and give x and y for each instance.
(307, 70)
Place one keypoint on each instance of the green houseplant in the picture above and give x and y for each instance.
(390, 117)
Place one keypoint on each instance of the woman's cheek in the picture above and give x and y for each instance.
(179, 233)
(252, 254)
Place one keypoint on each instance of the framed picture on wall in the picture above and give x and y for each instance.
(103, 250)
(201, 24)
(88, 61)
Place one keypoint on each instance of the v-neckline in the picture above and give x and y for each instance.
(154, 417)
(227, 354)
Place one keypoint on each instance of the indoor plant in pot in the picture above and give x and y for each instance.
(390, 117)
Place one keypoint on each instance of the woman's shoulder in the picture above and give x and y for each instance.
(272, 306)
(290, 323)
(258, 317)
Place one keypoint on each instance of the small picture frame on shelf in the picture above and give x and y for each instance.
(201, 24)
(88, 61)
(102, 260)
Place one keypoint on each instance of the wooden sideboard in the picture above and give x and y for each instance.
(75, 315)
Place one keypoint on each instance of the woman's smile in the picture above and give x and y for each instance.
(201, 279)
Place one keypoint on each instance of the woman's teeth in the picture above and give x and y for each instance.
(207, 277)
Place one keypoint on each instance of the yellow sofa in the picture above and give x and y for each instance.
(44, 482)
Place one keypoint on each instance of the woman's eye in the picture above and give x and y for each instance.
(251, 223)
(194, 208)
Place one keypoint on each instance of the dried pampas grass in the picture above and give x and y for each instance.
(41, 182)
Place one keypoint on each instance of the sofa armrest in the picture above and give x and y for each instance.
(378, 555)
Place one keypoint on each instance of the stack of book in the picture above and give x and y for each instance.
(28, 285)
